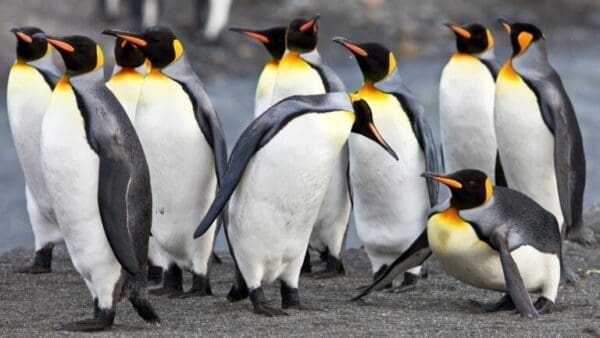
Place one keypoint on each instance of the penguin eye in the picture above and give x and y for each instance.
(472, 184)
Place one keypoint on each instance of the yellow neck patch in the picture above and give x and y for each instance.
(178, 47)
(99, 58)
(368, 92)
(524, 39)
(63, 83)
(508, 72)
(450, 217)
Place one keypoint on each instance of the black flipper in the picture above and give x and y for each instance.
(414, 256)
(512, 278)
(559, 115)
(416, 114)
(499, 174)
(259, 133)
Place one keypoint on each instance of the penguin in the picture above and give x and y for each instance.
(126, 81)
(467, 89)
(275, 188)
(185, 146)
(274, 41)
(301, 72)
(390, 199)
(539, 139)
(99, 182)
(33, 75)
(493, 238)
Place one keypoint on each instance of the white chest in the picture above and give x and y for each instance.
(296, 77)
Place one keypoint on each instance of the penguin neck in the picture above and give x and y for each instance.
(533, 61)
(88, 79)
(487, 54)
(45, 62)
(177, 70)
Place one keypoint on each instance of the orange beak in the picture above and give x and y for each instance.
(310, 24)
(60, 44)
(127, 36)
(459, 30)
(351, 46)
(452, 183)
(253, 35)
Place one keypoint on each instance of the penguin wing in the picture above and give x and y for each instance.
(331, 81)
(104, 119)
(517, 217)
(416, 114)
(415, 255)
(259, 133)
(559, 115)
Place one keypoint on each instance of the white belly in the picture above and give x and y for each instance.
(274, 207)
(181, 167)
(390, 198)
(474, 262)
(264, 88)
(27, 98)
(71, 173)
(526, 145)
(467, 116)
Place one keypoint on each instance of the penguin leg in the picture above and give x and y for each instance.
(568, 276)
(172, 282)
(200, 287)
(543, 305)
(333, 267)
(306, 264)
(42, 261)
(239, 289)
(261, 305)
(504, 304)
(103, 319)
(154, 273)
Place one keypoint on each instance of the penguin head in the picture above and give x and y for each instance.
(522, 35)
(301, 35)
(472, 38)
(160, 46)
(376, 62)
(273, 39)
(79, 53)
(364, 125)
(30, 47)
(127, 54)
(470, 188)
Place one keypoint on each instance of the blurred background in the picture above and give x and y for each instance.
(229, 64)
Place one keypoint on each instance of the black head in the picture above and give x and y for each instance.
(470, 188)
(473, 38)
(160, 46)
(79, 53)
(522, 35)
(376, 62)
(30, 47)
(127, 54)
(273, 39)
(302, 35)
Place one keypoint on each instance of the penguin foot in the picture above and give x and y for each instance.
(200, 288)
(584, 236)
(568, 276)
(504, 304)
(333, 269)
(306, 265)
(408, 284)
(543, 305)
(42, 262)
(257, 296)
(103, 319)
(172, 282)
(154, 274)
(239, 289)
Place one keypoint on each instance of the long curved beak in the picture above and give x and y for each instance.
(20, 35)
(310, 23)
(57, 42)
(134, 38)
(364, 125)
(458, 30)
(253, 34)
(450, 182)
(351, 46)
(505, 23)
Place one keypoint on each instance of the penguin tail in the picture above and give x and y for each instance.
(143, 308)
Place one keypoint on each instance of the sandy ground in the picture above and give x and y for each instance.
(440, 306)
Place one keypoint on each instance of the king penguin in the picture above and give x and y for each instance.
(390, 199)
(467, 89)
(99, 182)
(492, 238)
(275, 188)
(185, 146)
(301, 72)
(33, 76)
(274, 41)
(126, 84)
(539, 139)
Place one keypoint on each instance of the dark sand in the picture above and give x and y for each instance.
(440, 306)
